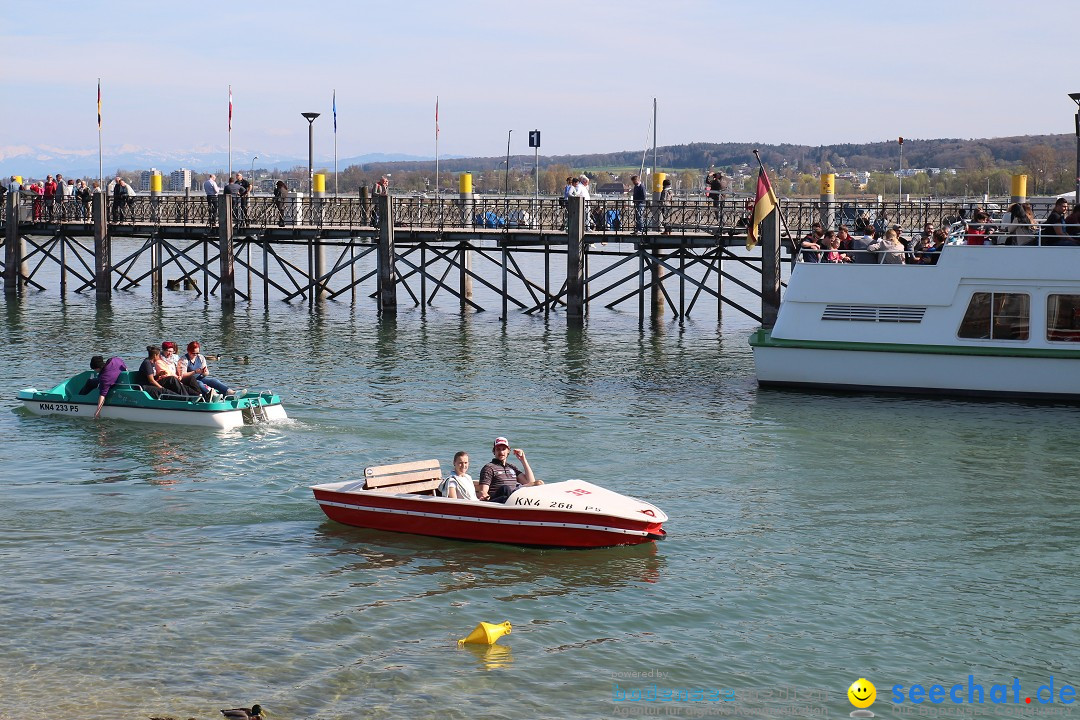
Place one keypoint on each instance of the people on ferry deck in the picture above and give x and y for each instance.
(1072, 224)
(108, 372)
(1019, 225)
(812, 242)
(459, 483)
(978, 231)
(831, 247)
(499, 479)
(854, 246)
(928, 251)
(907, 242)
(193, 370)
(890, 250)
(1053, 227)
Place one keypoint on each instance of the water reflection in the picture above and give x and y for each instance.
(157, 454)
(490, 657)
(469, 566)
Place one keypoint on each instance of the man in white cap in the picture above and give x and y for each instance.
(499, 479)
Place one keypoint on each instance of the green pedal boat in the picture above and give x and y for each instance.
(128, 401)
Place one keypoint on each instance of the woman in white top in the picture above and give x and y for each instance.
(459, 484)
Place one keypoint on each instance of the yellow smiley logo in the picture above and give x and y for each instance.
(862, 693)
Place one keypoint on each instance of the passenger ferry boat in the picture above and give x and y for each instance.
(128, 401)
(989, 320)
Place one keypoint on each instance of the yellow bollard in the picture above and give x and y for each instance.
(319, 182)
(486, 634)
(465, 183)
(658, 181)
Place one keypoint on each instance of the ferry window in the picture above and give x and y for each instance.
(1063, 318)
(996, 316)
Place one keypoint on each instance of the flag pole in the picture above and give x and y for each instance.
(230, 132)
(335, 145)
(436, 146)
(101, 174)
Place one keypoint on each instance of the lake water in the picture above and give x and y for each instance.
(814, 539)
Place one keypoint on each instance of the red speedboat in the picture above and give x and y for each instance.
(573, 513)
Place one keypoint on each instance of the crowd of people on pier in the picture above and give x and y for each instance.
(163, 373)
(881, 241)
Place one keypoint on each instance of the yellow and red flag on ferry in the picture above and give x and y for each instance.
(763, 205)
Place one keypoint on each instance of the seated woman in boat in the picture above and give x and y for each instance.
(194, 372)
(158, 374)
(890, 249)
(108, 374)
(459, 484)
(499, 479)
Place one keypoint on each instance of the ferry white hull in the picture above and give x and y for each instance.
(918, 373)
(986, 320)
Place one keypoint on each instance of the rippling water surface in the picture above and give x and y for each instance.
(814, 539)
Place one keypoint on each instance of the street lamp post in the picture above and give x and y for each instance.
(251, 175)
(506, 182)
(1076, 99)
(310, 117)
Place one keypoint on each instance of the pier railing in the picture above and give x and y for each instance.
(611, 216)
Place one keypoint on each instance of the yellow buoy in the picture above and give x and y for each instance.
(486, 633)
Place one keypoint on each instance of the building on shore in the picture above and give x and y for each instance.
(180, 180)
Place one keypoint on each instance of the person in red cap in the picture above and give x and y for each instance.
(499, 479)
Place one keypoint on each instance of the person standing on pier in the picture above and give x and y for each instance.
(639, 204)
(50, 198)
(236, 190)
(245, 190)
(281, 192)
(716, 194)
(210, 187)
(667, 201)
(120, 199)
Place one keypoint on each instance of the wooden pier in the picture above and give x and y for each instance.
(317, 250)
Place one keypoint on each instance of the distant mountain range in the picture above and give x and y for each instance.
(38, 161)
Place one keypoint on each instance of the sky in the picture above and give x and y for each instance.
(583, 72)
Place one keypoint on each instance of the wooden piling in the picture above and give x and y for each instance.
(12, 246)
(227, 277)
(102, 248)
(465, 279)
(387, 270)
(575, 261)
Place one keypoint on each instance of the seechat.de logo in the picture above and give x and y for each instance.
(862, 694)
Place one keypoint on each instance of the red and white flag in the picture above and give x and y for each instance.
(436, 116)
(230, 108)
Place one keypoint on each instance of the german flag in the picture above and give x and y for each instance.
(763, 205)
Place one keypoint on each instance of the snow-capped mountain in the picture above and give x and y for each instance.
(40, 160)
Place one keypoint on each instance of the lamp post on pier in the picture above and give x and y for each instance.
(310, 117)
(251, 174)
(1075, 97)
